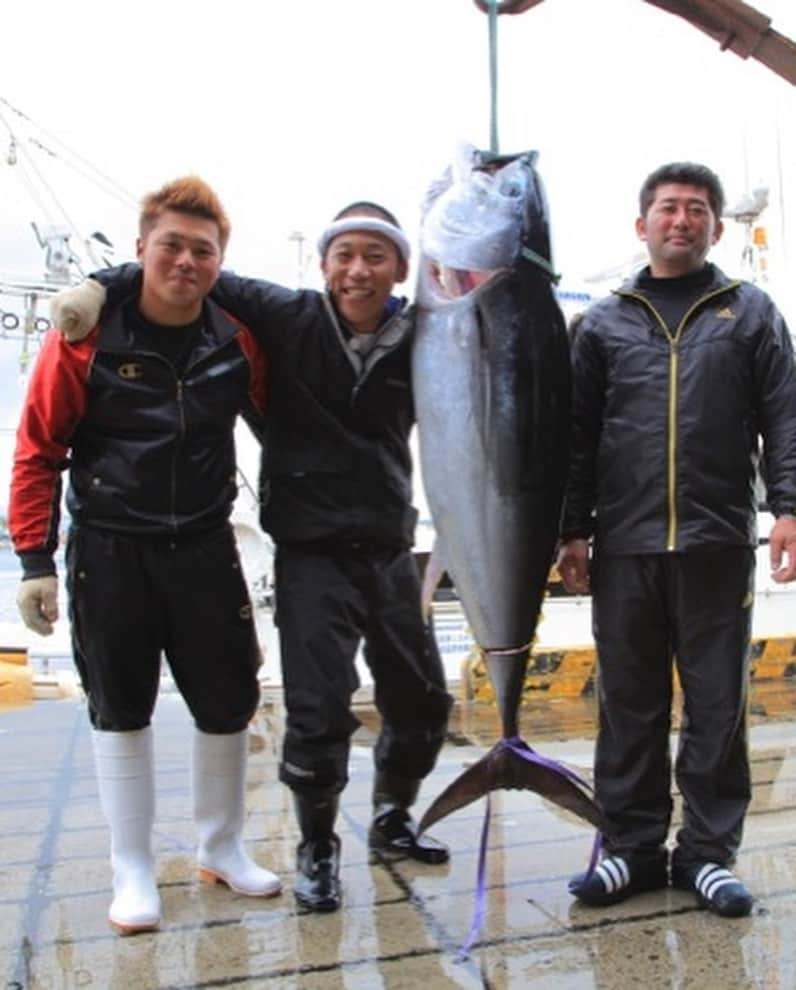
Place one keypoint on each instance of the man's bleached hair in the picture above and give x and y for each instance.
(190, 195)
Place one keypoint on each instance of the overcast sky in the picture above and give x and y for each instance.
(292, 109)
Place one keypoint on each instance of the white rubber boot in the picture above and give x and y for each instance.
(126, 782)
(219, 778)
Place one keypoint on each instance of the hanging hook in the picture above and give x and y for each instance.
(507, 6)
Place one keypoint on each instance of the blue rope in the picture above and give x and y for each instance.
(493, 77)
(541, 262)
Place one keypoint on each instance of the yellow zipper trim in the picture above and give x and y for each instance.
(671, 539)
(674, 358)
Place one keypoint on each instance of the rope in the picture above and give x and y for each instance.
(493, 77)
(110, 187)
(537, 259)
(521, 749)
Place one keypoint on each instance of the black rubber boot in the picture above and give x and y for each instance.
(317, 885)
(392, 831)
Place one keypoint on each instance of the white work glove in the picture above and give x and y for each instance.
(75, 311)
(37, 600)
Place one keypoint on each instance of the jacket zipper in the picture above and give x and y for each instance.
(674, 369)
(180, 400)
(363, 373)
(181, 433)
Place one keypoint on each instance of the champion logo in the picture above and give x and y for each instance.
(130, 371)
(725, 314)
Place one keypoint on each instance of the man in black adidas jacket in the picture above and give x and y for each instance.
(337, 493)
(677, 377)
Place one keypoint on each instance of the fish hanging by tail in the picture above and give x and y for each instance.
(491, 378)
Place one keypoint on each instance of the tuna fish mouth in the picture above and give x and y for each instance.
(454, 283)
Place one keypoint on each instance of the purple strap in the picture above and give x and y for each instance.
(480, 893)
(520, 748)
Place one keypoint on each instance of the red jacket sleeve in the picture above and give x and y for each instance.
(257, 361)
(254, 410)
(54, 405)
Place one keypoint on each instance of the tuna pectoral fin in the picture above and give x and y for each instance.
(504, 769)
(432, 575)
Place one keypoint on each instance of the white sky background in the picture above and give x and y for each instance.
(293, 108)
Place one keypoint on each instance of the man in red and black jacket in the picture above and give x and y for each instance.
(142, 413)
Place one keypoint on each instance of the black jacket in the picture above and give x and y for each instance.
(150, 452)
(336, 467)
(155, 451)
(667, 425)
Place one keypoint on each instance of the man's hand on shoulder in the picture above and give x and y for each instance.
(37, 600)
(75, 311)
(782, 549)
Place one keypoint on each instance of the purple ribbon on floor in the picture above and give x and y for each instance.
(520, 748)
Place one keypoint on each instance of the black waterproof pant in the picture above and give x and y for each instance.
(327, 602)
(695, 609)
(132, 600)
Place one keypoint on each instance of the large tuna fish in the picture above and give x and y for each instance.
(492, 388)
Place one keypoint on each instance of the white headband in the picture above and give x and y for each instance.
(373, 224)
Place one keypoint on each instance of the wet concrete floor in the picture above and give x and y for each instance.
(402, 923)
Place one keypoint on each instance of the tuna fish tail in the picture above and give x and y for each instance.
(512, 765)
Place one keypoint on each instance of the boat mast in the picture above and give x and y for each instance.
(29, 152)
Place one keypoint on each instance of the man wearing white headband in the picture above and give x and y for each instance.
(347, 223)
(337, 489)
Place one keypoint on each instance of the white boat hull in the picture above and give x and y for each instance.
(565, 624)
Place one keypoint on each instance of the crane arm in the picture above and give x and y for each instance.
(736, 26)
(740, 28)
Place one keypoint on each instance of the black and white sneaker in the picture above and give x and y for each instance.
(716, 888)
(616, 878)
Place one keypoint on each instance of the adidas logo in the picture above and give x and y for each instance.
(725, 314)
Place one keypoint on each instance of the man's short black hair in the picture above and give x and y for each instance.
(364, 207)
(683, 173)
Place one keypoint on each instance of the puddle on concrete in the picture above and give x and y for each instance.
(549, 719)
(402, 923)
